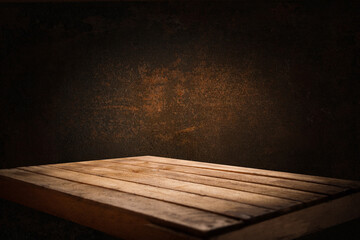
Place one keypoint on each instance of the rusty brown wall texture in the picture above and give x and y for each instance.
(268, 85)
(271, 84)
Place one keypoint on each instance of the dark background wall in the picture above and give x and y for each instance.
(270, 84)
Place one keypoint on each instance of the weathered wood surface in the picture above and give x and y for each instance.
(162, 198)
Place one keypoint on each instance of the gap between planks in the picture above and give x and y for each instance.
(265, 180)
(171, 169)
(219, 206)
(75, 201)
(262, 172)
(301, 222)
(110, 171)
(279, 192)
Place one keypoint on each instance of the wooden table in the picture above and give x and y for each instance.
(162, 198)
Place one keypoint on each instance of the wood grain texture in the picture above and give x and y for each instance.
(298, 223)
(261, 172)
(206, 180)
(73, 209)
(148, 197)
(183, 186)
(51, 194)
(220, 206)
(272, 181)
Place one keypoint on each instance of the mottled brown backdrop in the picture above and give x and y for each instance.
(272, 84)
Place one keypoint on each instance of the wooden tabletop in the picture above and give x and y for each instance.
(162, 198)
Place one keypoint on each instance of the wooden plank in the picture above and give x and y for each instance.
(215, 205)
(274, 191)
(280, 182)
(137, 198)
(301, 222)
(206, 190)
(113, 212)
(261, 172)
(213, 181)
